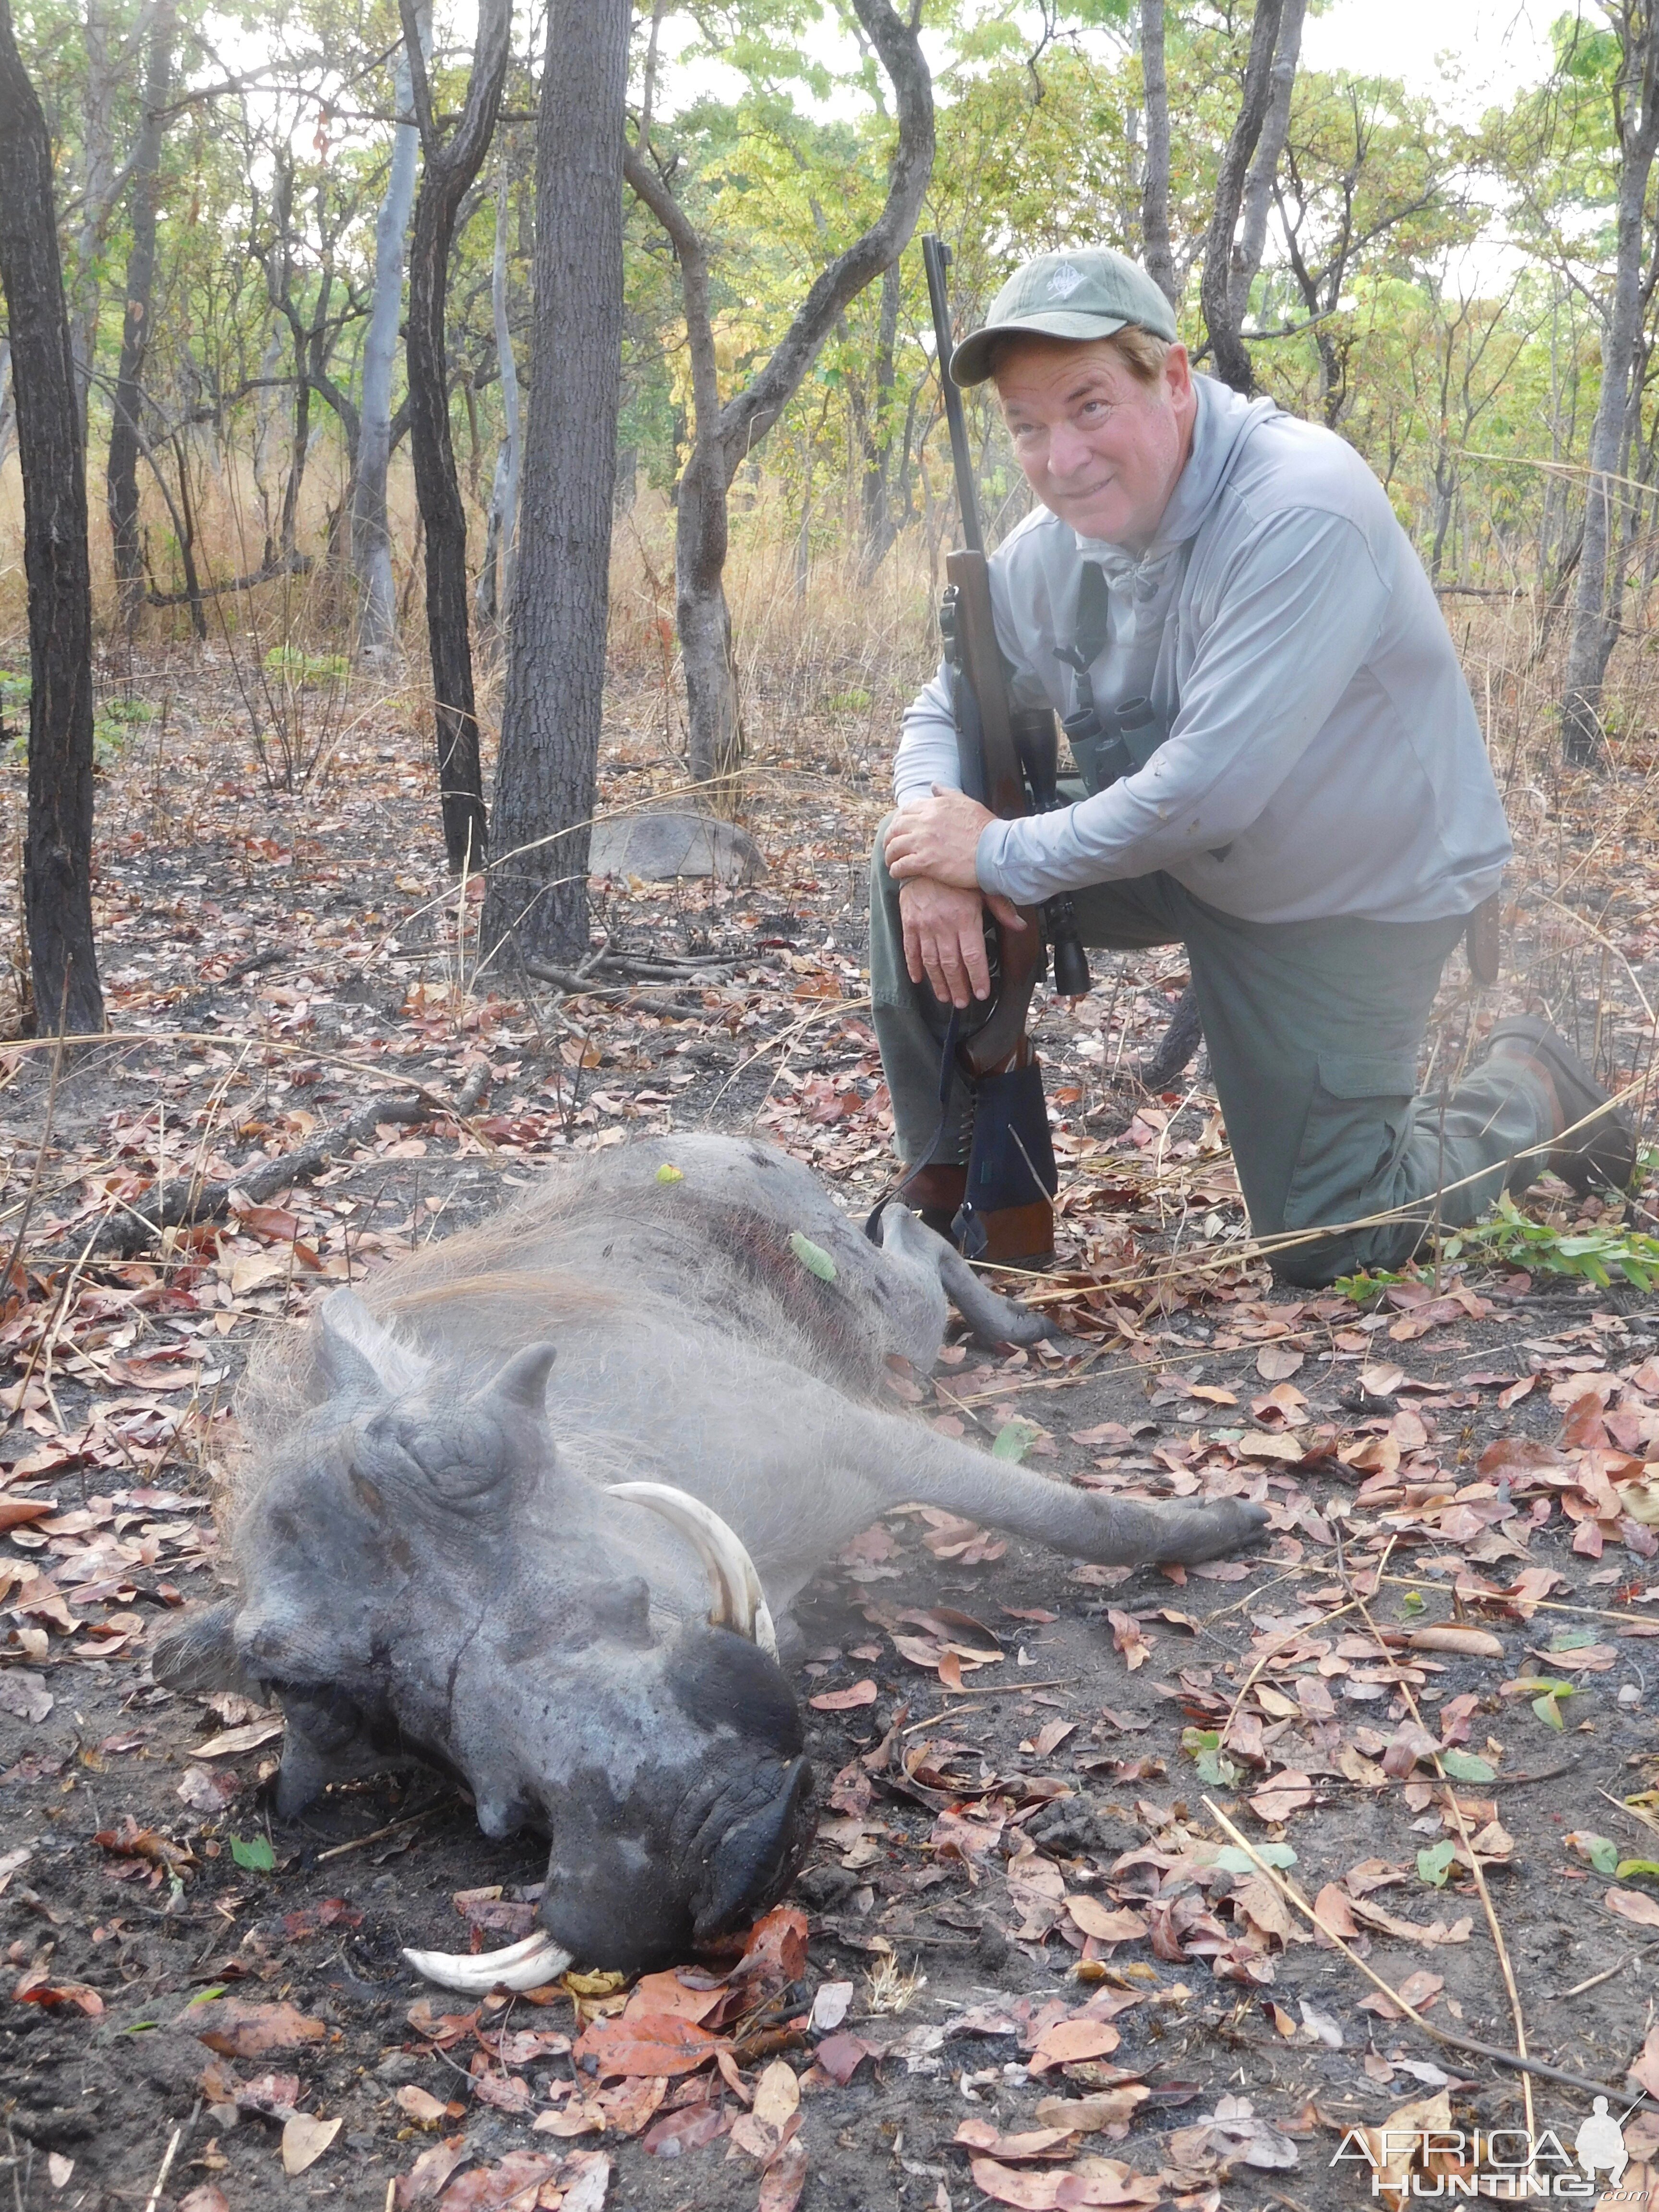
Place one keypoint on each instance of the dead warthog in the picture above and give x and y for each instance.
(484, 1501)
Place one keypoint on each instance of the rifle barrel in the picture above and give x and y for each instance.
(936, 259)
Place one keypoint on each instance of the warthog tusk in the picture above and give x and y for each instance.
(739, 1601)
(523, 1965)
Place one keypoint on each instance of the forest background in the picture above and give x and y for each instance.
(1439, 285)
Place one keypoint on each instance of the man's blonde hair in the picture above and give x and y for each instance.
(1142, 352)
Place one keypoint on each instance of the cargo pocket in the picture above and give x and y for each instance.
(1357, 1123)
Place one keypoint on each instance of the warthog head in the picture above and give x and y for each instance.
(424, 1571)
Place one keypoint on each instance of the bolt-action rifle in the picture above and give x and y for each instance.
(1009, 760)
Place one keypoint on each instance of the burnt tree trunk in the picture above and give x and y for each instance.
(726, 435)
(537, 901)
(450, 168)
(121, 467)
(1217, 291)
(57, 853)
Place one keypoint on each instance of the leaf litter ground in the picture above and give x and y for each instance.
(1026, 1966)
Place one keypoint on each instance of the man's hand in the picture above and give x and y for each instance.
(937, 838)
(944, 937)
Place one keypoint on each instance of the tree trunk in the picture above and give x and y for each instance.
(298, 454)
(728, 435)
(1155, 249)
(537, 901)
(880, 527)
(57, 853)
(121, 466)
(496, 577)
(1595, 613)
(450, 168)
(1264, 165)
(1232, 362)
(101, 85)
(371, 536)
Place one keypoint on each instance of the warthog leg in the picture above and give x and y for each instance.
(920, 1469)
(906, 1239)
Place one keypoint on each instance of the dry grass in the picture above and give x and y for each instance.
(827, 663)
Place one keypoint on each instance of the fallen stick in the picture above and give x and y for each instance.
(1515, 2059)
(374, 1835)
(182, 1203)
(576, 985)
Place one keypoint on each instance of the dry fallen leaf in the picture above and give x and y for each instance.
(1103, 1923)
(829, 2006)
(777, 2094)
(1632, 1905)
(1276, 1363)
(1282, 1796)
(490, 2189)
(785, 2178)
(1069, 2040)
(422, 2106)
(239, 2029)
(845, 1701)
(1469, 1643)
(305, 2140)
(656, 2043)
(1101, 2108)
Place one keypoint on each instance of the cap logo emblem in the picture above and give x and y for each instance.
(1065, 280)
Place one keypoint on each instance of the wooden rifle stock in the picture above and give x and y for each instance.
(1020, 951)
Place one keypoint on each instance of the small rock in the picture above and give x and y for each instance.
(991, 1948)
(396, 2068)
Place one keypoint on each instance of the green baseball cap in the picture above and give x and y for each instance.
(1089, 293)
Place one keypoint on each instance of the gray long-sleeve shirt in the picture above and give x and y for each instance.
(1322, 757)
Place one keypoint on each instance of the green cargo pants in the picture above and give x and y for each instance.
(1314, 1029)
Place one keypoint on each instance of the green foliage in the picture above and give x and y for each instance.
(1594, 1255)
(112, 724)
(1548, 1704)
(1365, 1288)
(1467, 1766)
(253, 1852)
(1214, 1767)
(1013, 1442)
(294, 666)
(1600, 1851)
(1435, 1864)
(1231, 1860)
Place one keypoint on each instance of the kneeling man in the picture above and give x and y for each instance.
(1290, 780)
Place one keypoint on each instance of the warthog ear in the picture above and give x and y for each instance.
(360, 1357)
(520, 1387)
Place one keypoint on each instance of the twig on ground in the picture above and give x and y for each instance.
(180, 1205)
(1497, 1943)
(576, 985)
(375, 1835)
(1518, 2060)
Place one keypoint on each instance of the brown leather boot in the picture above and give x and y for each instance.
(1601, 1152)
(935, 1191)
(1020, 1236)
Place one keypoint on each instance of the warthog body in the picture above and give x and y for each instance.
(431, 1560)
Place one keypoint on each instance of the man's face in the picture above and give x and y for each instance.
(1099, 448)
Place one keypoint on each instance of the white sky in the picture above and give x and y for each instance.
(1469, 54)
